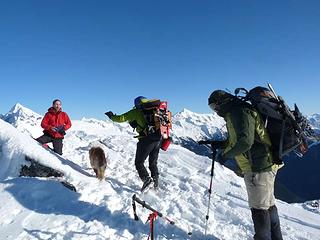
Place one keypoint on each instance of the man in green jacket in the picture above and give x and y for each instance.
(249, 144)
(149, 142)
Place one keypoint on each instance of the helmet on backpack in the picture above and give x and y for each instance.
(218, 99)
(139, 100)
(259, 93)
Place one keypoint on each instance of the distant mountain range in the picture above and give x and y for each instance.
(43, 208)
(297, 180)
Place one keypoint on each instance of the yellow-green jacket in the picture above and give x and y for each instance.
(248, 141)
(136, 117)
(131, 116)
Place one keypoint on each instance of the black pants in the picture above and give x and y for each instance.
(56, 142)
(145, 148)
(266, 224)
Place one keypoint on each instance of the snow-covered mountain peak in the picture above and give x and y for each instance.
(315, 120)
(20, 113)
(316, 115)
(23, 118)
(197, 126)
(21, 110)
(186, 113)
(17, 107)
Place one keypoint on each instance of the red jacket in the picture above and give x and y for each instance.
(55, 119)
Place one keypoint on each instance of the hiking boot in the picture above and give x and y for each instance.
(146, 183)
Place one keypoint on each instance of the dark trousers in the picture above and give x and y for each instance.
(266, 224)
(145, 148)
(56, 142)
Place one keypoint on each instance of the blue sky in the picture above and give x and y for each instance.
(99, 55)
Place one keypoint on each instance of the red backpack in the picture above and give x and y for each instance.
(158, 117)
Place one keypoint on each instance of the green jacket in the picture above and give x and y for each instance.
(130, 116)
(248, 141)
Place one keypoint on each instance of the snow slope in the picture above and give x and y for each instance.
(38, 208)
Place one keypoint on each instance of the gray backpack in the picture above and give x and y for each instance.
(288, 129)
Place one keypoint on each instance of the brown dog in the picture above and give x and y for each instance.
(98, 161)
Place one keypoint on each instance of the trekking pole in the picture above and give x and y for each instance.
(145, 205)
(215, 145)
(210, 188)
(136, 218)
(152, 217)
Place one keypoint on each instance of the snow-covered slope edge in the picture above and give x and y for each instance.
(15, 146)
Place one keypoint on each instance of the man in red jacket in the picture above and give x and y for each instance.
(55, 123)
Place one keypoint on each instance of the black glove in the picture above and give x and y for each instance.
(60, 129)
(214, 143)
(109, 114)
(203, 142)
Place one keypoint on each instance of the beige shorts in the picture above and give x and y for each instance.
(260, 189)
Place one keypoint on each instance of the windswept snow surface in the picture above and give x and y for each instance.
(39, 208)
